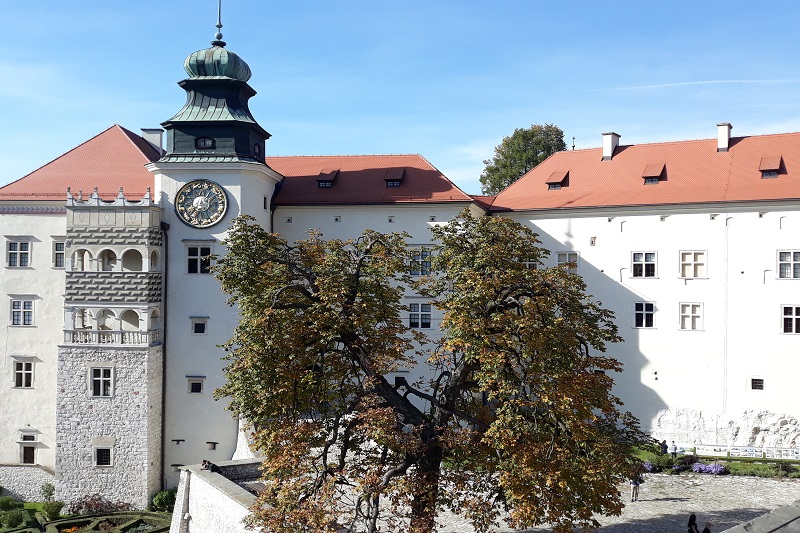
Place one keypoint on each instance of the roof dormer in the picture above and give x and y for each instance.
(653, 173)
(394, 176)
(770, 166)
(326, 177)
(557, 180)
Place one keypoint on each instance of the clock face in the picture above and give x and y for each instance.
(201, 203)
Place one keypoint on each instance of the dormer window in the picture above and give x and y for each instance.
(770, 166)
(326, 177)
(394, 176)
(204, 143)
(557, 180)
(653, 173)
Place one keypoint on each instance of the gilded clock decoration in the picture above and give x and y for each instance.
(201, 203)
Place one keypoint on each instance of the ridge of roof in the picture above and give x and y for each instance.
(346, 155)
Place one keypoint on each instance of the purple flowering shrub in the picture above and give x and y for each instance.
(648, 466)
(714, 468)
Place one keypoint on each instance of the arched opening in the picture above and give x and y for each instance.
(129, 320)
(154, 261)
(132, 261)
(83, 319)
(108, 260)
(81, 260)
(155, 319)
(106, 320)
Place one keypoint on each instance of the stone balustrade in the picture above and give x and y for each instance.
(112, 337)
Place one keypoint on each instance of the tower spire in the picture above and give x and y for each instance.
(218, 36)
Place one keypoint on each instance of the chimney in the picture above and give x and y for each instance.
(154, 136)
(723, 136)
(610, 143)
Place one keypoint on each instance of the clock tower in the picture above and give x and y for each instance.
(213, 170)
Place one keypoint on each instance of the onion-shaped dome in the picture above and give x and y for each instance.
(216, 62)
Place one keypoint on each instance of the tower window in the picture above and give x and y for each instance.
(204, 142)
(102, 456)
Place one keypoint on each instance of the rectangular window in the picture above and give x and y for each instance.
(791, 319)
(420, 262)
(199, 327)
(21, 312)
(392, 183)
(196, 387)
(756, 384)
(788, 264)
(29, 438)
(101, 381)
(693, 264)
(419, 316)
(644, 264)
(19, 254)
(58, 254)
(23, 374)
(102, 456)
(644, 314)
(568, 261)
(691, 316)
(199, 260)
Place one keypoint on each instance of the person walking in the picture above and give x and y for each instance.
(664, 447)
(692, 526)
(673, 450)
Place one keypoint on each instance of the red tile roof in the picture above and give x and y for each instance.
(362, 179)
(694, 172)
(114, 158)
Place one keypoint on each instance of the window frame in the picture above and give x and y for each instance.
(101, 380)
(59, 253)
(17, 254)
(793, 262)
(756, 380)
(420, 256)
(690, 314)
(794, 318)
(644, 262)
(692, 263)
(197, 263)
(195, 380)
(23, 316)
(644, 312)
(417, 312)
(96, 456)
(199, 321)
(19, 374)
(563, 264)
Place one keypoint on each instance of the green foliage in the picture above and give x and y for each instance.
(15, 518)
(164, 501)
(738, 468)
(7, 503)
(96, 504)
(47, 491)
(519, 153)
(52, 509)
(511, 399)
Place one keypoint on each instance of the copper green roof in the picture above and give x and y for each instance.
(216, 62)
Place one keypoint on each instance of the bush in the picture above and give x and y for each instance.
(96, 504)
(52, 509)
(752, 469)
(164, 501)
(7, 503)
(14, 518)
(714, 468)
(47, 491)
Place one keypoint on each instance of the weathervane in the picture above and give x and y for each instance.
(218, 36)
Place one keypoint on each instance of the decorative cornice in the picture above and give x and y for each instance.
(32, 209)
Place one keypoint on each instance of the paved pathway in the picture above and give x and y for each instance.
(665, 503)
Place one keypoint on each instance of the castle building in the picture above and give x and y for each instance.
(113, 321)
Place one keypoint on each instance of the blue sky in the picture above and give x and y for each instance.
(446, 79)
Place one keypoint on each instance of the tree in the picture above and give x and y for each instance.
(514, 412)
(519, 153)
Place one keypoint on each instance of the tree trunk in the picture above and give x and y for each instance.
(423, 506)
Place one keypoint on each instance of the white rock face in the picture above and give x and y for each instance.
(750, 428)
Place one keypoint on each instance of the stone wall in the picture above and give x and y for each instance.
(750, 428)
(23, 482)
(128, 422)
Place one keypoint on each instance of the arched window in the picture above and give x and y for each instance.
(154, 261)
(129, 320)
(81, 261)
(106, 320)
